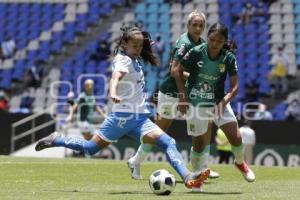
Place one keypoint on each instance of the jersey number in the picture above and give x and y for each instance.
(122, 122)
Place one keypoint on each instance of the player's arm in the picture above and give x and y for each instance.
(113, 84)
(100, 111)
(234, 85)
(177, 71)
(234, 81)
(186, 75)
(72, 111)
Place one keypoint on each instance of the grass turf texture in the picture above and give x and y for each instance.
(69, 179)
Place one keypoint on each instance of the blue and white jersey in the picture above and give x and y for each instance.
(131, 87)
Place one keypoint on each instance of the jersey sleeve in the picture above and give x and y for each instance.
(121, 64)
(188, 59)
(232, 66)
(80, 99)
(180, 50)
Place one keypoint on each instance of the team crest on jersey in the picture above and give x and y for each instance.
(181, 50)
(222, 67)
(137, 66)
(200, 64)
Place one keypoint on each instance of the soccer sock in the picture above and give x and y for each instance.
(238, 152)
(199, 160)
(141, 153)
(168, 144)
(88, 147)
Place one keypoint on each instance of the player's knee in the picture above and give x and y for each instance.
(91, 147)
(165, 141)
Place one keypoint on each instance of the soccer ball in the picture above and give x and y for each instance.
(162, 182)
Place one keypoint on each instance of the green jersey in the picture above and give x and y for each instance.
(86, 105)
(207, 76)
(182, 46)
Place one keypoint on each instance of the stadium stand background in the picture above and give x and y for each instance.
(65, 35)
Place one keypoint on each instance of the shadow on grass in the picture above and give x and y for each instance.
(71, 191)
(221, 193)
(192, 193)
(215, 193)
(129, 192)
(206, 182)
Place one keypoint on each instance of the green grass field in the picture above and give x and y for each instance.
(89, 179)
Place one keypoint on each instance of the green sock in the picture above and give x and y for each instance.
(199, 160)
(238, 152)
(141, 153)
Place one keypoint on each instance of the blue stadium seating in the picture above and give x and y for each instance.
(251, 37)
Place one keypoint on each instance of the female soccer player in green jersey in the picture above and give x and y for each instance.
(168, 96)
(209, 66)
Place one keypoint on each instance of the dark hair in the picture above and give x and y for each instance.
(223, 30)
(146, 54)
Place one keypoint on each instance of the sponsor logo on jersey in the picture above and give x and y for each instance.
(200, 64)
(137, 66)
(222, 67)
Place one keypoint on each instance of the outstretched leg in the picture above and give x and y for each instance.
(79, 144)
(175, 159)
(134, 163)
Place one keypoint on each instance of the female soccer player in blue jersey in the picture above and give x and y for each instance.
(130, 112)
(210, 63)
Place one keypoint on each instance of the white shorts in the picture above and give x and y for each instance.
(198, 118)
(167, 106)
(86, 127)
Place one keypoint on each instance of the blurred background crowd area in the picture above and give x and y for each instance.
(49, 48)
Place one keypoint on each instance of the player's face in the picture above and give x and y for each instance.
(89, 88)
(196, 26)
(134, 46)
(216, 42)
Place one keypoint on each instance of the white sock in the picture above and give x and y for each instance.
(238, 152)
(141, 153)
(199, 160)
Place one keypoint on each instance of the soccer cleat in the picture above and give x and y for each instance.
(134, 170)
(246, 171)
(46, 142)
(214, 174)
(195, 180)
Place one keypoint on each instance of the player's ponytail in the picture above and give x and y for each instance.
(147, 53)
(230, 46)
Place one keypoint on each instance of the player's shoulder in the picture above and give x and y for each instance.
(82, 94)
(201, 47)
(183, 39)
(122, 58)
(228, 55)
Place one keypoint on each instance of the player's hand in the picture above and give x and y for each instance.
(219, 109)
(69, 119)
(115, 98)
(183, 105)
